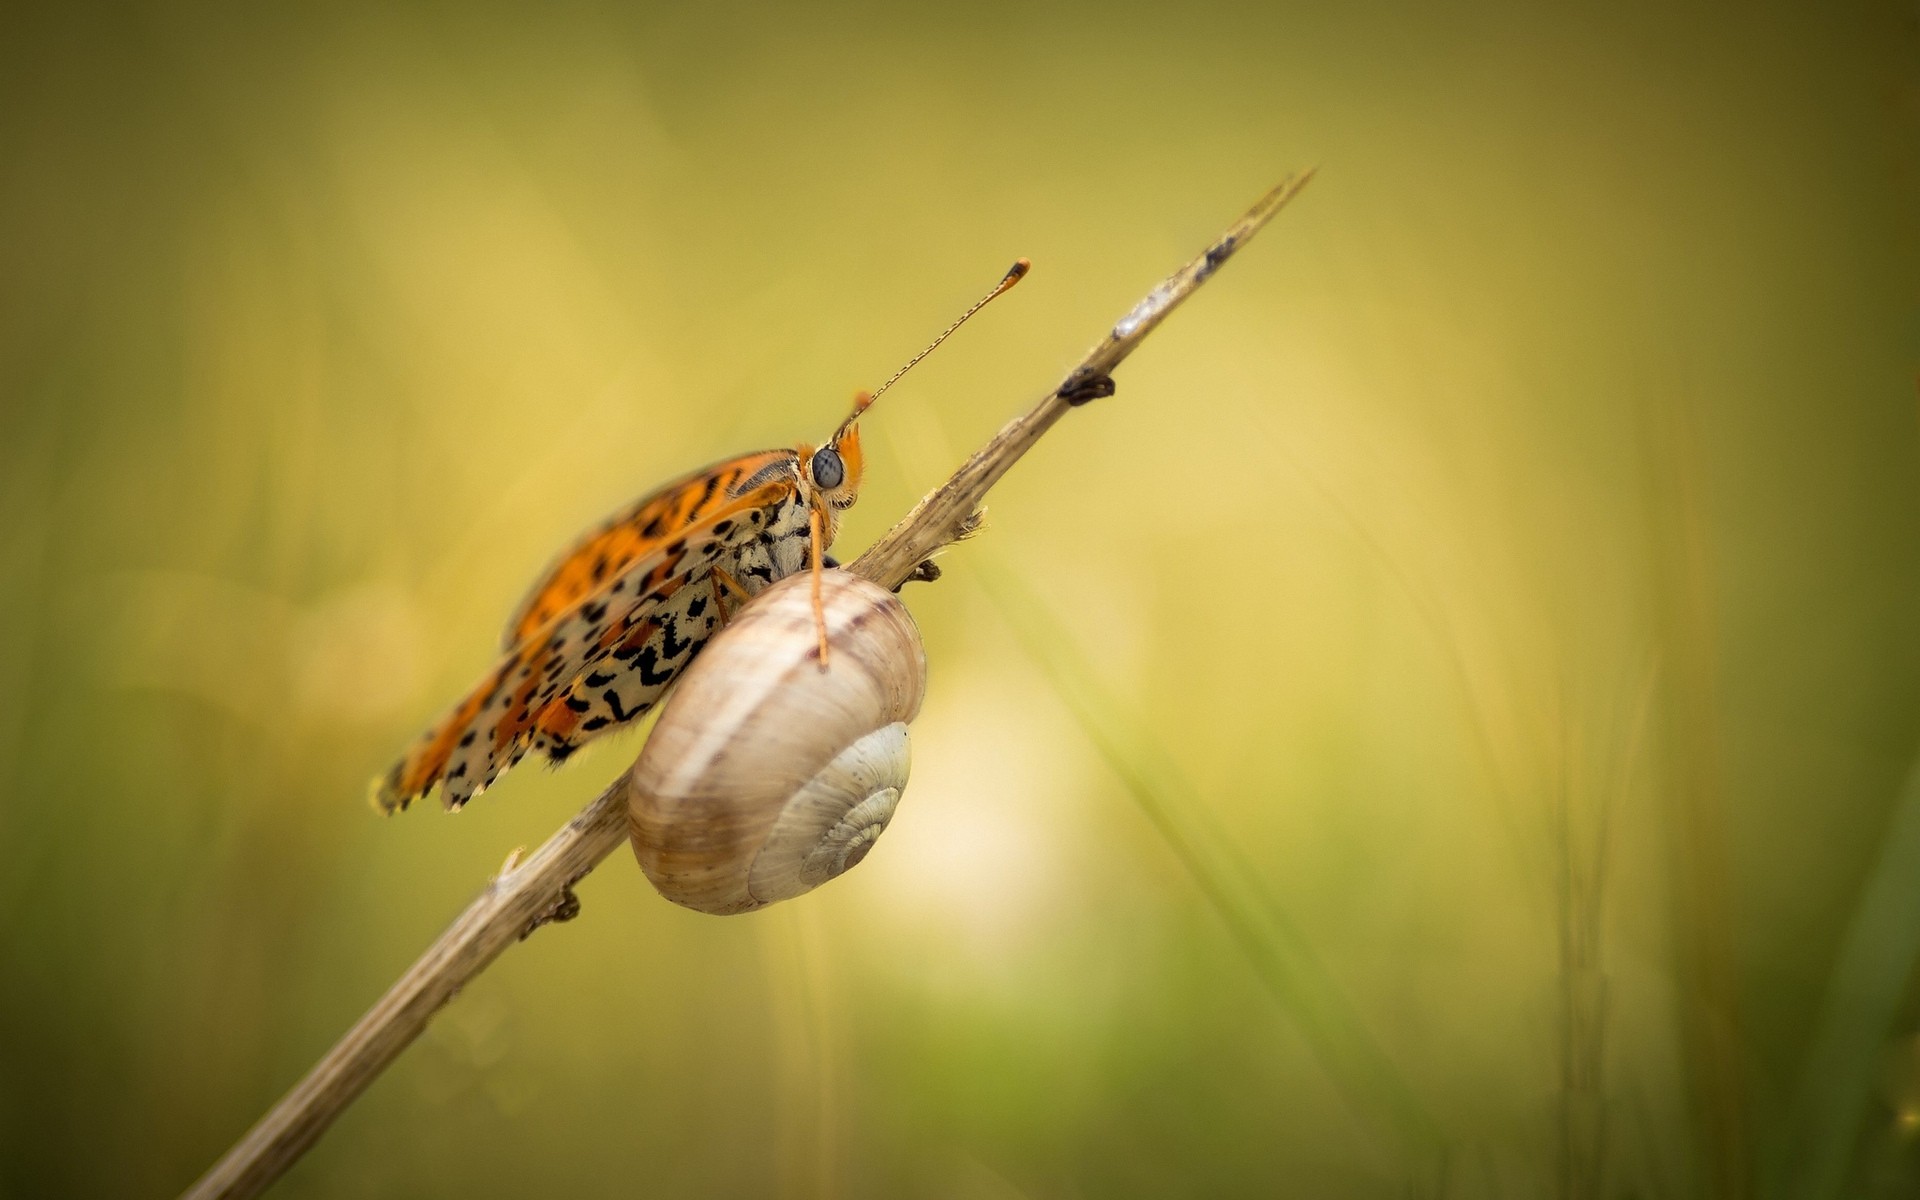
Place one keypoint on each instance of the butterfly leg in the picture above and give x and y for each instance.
(815, 536)
(718, 579)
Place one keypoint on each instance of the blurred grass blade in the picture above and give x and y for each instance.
(1870, 976)
(1695, 807)
(1272, 944)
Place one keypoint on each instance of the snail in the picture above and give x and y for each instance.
(766, 775)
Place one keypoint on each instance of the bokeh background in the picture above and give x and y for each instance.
(1444, 729)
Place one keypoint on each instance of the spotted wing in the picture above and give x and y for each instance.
(501, 718)
(635, 532)
(625, 684)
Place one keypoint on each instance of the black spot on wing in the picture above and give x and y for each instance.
(668, 646)
(652, 674)
(622, 715)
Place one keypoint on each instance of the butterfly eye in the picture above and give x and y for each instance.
(828, 471)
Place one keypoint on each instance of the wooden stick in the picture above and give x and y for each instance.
(946, 513)
(526, 895)
(514, 904)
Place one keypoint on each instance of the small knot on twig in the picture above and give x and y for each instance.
(970, 524)
(1085, 385)
(925, 571)
(565, 907)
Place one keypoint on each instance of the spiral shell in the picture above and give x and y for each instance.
(765, 775)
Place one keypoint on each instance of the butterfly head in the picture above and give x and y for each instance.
(833, 470)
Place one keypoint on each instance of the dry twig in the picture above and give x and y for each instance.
(525, 896)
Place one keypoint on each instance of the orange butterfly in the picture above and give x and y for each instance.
(613, 621)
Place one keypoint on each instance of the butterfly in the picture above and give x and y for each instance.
(613, 621)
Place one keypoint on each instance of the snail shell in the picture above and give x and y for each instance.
(766, 776)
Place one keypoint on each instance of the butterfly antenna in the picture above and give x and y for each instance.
(864, 400)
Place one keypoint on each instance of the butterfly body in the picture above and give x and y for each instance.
(614, 620)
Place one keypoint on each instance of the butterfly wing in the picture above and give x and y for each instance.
(610, 623)
(631, 534)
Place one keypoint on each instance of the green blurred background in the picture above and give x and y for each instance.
(1443, 729)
